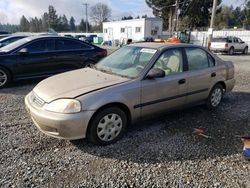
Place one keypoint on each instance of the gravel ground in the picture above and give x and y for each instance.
(162, 152)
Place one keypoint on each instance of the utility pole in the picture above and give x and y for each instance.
(210, 30)
(176, 15)
(86, 11)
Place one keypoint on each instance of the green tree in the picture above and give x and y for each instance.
(24, 24)
(246, 11)
(72, 24)
(82, 26)
(193, 14)
(52, 18)
(45, 22)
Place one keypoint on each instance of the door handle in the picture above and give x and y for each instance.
(52, 57)
(182, 81)
(213, 74)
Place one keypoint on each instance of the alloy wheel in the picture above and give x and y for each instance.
(3, 78)
(216, 97)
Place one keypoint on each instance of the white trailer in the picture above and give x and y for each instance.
(135, 29)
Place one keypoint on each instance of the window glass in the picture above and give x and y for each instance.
(128, 61)
(197, 59)
(122, 30)
(69, 45)
(170, 61)
(138, 29)
(41, 46)
(239, 40)
(235, 40)
(229, 40)
(211, 61)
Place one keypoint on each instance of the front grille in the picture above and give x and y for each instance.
(37, 101)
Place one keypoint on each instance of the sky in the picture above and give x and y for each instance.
(12, 10)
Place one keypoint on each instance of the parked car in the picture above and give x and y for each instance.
(134, 82)
(89, 38)
(228, 45)
(41, 56)
(7, 40)
(80, 36)
(4, 35)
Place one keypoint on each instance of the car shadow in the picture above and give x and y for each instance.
(171, 137)
(21, 87)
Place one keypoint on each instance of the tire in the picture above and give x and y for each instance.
(215, 97)
(5, 77)
(245, 51)
(103, 130)
(89, 64)
(231, 51)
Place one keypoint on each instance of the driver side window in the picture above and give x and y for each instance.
(170, 61)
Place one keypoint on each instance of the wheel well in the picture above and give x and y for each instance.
(222, 84)
(115, 104)
(11, 74)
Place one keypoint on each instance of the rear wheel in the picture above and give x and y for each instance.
(215, 97)
(4, 77)
(245, 51)
(107, 126)
(231, 51)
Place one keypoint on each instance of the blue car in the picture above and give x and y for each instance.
(7, 40)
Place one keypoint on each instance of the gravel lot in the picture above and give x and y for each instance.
(162, 152)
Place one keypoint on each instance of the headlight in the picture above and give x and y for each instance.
(66, 106)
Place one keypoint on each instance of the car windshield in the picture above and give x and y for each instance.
(15, 44)
(128, 61)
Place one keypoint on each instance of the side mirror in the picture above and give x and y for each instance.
(155, 73)
(24, 51)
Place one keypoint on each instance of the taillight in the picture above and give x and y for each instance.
(226, 45)
(104, 53)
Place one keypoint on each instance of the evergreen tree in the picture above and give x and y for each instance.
(45, 22)
(52, 18)
(72, 24)
(24, 24)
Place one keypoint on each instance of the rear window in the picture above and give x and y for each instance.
(219, 40)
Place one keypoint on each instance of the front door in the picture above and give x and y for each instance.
(161, 94)
(38, 60)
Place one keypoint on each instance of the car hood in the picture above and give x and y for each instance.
(74, 83)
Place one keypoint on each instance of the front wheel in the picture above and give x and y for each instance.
(107, 126)
(215, 97)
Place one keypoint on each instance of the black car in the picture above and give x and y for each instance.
(90, 38)
(42, 56)
(7, 40)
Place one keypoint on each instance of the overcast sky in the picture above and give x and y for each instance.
(12, 10)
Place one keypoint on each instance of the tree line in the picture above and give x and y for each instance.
(196, 14)
(52, 20)
(99, 13)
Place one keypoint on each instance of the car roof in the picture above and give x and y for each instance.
(161, 45)
(47, 36)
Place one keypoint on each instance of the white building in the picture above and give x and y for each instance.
(135, 29)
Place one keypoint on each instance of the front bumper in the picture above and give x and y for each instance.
(63, 126)
(230, 84)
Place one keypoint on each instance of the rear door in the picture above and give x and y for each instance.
(72, 54)
(38, 61)
(161, 94)
(201, 72)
